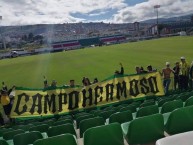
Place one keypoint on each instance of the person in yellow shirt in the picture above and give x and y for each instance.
(184, 74)
(5, 100)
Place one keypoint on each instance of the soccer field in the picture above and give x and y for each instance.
(100, 62)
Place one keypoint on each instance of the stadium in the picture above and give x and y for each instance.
(121, 74)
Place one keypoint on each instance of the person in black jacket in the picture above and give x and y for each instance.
(176, 76)
(121, 72)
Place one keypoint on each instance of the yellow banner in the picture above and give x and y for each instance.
(30, 103)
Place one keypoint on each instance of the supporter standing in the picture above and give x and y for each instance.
(176, 75)
(166, 72)
(121, 72)
(54, 84)
(4, 87)
(191, 75)
(184, 74)
(5, 101)
(45, 82)
(138, 70)
(72, 83)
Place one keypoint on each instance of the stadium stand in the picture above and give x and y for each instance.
(145, 129)
(66, 45)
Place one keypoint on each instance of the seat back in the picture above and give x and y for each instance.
(9, 135)
(171, 105)
(163, 101)
(4, 130)
(27, 138)
(180, 120)
(145, 129)
(23, 127)
(80, 114)
(91, 122)
(79, 119)
(148, 110)
(121, 117)
(41, 128)
(3, 142)
(189, 101)
(147, 103)
(61, 122)
(65, 117)
(104, 135)
(131, 108)
(61, 129)
(105, 114)
(65, 139)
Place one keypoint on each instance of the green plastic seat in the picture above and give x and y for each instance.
(171, 105)
(121, 117)
(97, 112)
(180, 120)
(80, 114)
(61, 129)
(144, 129)
(88, 123)
(105, 114)
(23, 127)
(49, 122)
(104, 135)
(9, 135)
(27, 138)
(148, 110)
(184, 96)
(41, 128)
(136, 104)
(189, 101)
(64, 139)
(65, 117)
(132, 108)
(79, 119)
(147, 103)
(4, 130)
(3, 142)
(61, 122)
(162, 101)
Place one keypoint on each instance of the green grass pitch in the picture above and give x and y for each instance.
(100, 62)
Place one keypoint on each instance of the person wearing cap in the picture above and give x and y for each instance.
(184, 73)
(176, 75)
(166, 72)
(191, 75)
